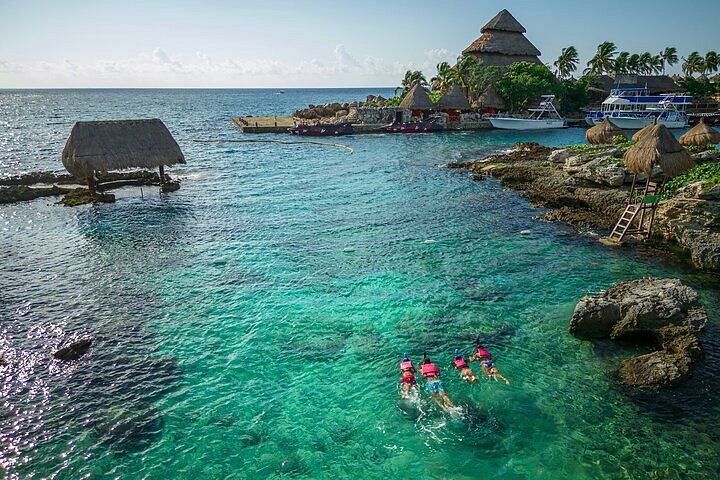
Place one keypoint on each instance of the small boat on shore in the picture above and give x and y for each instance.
(431, 124)
(544, 117)
(635, 108)
(323, 129)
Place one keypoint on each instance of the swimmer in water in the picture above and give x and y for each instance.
(461, 364)
(407, 371)
(433, 384)
(488, 366)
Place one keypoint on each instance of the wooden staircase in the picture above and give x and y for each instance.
(642, 203)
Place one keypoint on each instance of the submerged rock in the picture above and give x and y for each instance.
(74, 350)
(662, 312)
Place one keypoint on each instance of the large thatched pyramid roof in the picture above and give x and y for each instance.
(417, 99)
(118, 144)
(454, 99)
(502, 42)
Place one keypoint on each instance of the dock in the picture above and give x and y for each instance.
(263, 124)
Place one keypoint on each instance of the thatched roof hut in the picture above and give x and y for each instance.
(656, 84)
(490, 98)
(454, 99)
(119, 144)
(603, 133)
(658, 146)
(502, 43)
(417, 99)
(700, 135)
(643, 131)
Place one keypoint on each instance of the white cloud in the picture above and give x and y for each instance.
(162, 68)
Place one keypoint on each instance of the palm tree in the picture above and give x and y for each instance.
(566, 63)
(603, 60)
(445, 77)
(633, 64)
(412, 78)
(656, 64)
(644, 63)
(694, 63)
(669, 56)
(711, 63)
(621, 63)
(465, 70)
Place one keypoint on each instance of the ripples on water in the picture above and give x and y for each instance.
(250, 324)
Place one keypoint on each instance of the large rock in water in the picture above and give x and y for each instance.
(74, 350)
(662, 312)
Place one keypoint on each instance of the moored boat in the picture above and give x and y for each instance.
(432, 124)
(323, 129)
(635, 108)
(544, 117)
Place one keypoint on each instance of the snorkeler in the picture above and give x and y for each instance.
(407, 370)
(433, 385)
(465, 371)
(488, 366)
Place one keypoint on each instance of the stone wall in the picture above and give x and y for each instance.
(371, 115)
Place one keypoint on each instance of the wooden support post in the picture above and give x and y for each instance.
(92, 186)
(642, 207)
(162, 176)
(632, 189)
(654, 207)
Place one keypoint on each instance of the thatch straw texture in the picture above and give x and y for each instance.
(504, 43)
(603, 133)
(119, 144)
(700, 135)
(454, 99)
(504, 21)
(643, 131)
(417, 99)
(658, 146)
(490, 98)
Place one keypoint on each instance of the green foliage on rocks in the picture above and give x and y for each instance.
(708, 173)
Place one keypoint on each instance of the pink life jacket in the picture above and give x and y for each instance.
(429, 370)
(406, 366)
(482, 353)
(460, 363)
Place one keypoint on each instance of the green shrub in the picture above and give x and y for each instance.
(699, 148)
(708, 172)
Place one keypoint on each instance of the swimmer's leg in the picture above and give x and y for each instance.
(439, 403)
(446, 399)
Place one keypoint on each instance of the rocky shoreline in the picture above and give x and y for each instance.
(589, 189)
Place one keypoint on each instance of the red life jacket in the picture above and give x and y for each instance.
(429, 370)
(406, 366)
(460, 363)
(482, 353)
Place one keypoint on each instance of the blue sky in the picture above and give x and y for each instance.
(315, 43)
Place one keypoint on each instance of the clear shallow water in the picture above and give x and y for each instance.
(250, 324)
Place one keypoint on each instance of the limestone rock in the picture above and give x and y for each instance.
(559, 156)
(661, 311)
(605, 170)
(74, 350)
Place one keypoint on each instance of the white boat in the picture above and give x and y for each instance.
(543, 117)
(635, 108)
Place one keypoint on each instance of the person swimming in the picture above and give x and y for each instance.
(465, 371)
(488, 366)
(433, 384)
(407, 371)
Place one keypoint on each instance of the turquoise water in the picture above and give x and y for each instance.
(250, 325)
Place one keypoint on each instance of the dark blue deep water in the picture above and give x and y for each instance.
(250, 324)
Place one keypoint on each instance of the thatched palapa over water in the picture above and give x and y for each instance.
(603, 133)
(101, 146)
(417, 99)
(502, 43)
(658, 146)
(700, 135)
(454, 99)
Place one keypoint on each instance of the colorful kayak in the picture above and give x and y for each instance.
(323, 130)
